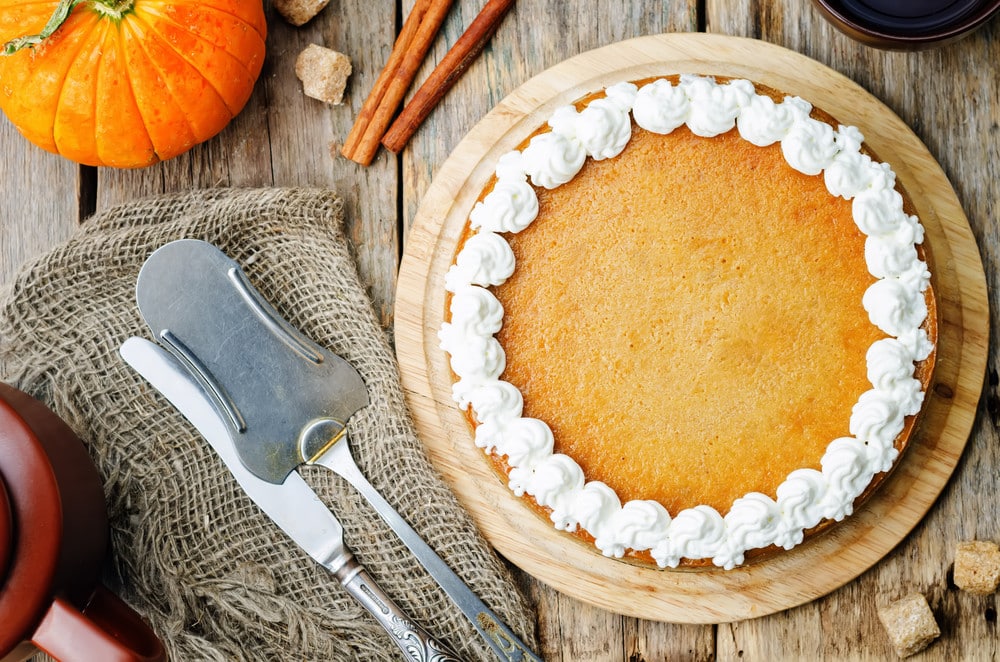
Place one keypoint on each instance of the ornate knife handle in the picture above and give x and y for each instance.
(417, 645)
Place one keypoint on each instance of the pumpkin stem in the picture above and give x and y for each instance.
(114, 9)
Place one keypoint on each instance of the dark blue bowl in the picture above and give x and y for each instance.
(907, 24)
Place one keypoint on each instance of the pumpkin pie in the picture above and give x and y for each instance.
(690, 320)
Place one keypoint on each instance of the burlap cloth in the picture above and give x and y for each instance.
(216, 579)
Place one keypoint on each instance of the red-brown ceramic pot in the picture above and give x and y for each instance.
(53, 539)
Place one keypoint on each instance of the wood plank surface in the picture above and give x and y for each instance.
(39, 200)
(950, 96)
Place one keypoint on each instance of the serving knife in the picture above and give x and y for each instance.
(292, 505)
(283, 399)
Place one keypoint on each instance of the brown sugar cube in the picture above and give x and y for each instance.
(977, 567)
(323, 73)
(299, 12)
(910, 624)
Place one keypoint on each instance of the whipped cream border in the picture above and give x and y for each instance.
(895, 303)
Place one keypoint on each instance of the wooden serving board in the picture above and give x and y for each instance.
(823, 563)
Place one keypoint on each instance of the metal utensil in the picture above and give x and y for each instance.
(284, 399)
(292, 505)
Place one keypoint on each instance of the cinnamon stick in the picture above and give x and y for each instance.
(399, 49)
(447, 72)
(413, 56)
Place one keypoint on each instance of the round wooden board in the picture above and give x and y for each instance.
(712, 595)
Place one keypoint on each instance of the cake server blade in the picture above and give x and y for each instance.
(266, 377)
(292, 505)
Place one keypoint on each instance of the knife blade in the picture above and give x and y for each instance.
(292, 505)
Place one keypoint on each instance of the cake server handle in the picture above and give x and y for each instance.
(504, 643)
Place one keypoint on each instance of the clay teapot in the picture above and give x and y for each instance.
(53, 540)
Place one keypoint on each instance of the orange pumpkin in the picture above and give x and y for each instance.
(127, 83)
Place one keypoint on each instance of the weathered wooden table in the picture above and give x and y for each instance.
(950, 96)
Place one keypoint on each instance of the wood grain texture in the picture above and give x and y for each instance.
(950, 97)
(306, 135)
(762, 588)
(39, 200)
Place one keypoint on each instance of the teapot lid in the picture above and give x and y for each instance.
(6, 531)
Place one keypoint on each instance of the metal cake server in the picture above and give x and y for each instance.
(285, 400)
(292, 505)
